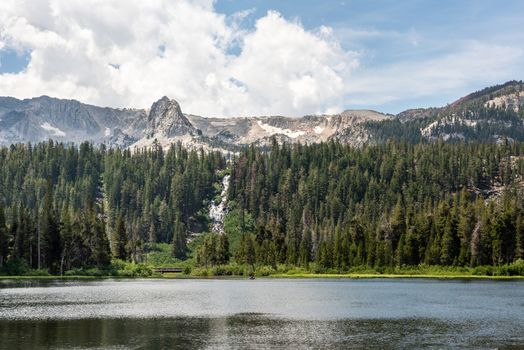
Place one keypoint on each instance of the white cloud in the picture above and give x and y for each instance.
(130, 53)
(472, 64)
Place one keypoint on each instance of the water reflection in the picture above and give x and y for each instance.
(286, 314)
(244, 331)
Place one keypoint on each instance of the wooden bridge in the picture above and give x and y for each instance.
(168, 269)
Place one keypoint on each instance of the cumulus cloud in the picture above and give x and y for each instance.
(130, 53)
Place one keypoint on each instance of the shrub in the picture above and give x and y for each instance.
(200, 272)
(265, 271)
(38, 272)
(16, 268)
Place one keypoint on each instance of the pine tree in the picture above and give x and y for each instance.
(398, 222)
(246, 251)
(66, 231)
(50, 231)
(450, 242)
(519, 230)
(179, 239)
(101, 251)
(4, 248)
(305, 249)
(223, 249)
(120, 240)
(465, 226)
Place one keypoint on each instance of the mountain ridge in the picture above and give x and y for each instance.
(490, 114)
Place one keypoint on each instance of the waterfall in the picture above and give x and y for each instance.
(217, 212)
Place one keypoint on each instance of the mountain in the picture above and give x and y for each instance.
(489, 115)
(307, 129)
(42, 118)
(166, 124)
(493, 114)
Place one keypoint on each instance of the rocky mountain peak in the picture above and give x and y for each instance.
(489, 115)
(166, 119)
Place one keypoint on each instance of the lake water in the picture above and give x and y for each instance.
(264, 313)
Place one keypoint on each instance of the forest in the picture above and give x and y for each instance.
(326, 207)
(66, 207)
(393, 204)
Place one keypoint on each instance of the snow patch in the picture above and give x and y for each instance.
(318, 130)
(274, 130)
(56, 131)
(107, 132)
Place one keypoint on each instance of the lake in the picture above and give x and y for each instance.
(263, 313)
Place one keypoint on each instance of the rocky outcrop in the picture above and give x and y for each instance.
(166, 120)
(42, 118)
(492, 114)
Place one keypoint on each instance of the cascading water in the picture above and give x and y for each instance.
(217, 212)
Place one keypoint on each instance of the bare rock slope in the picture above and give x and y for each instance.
(493, 114)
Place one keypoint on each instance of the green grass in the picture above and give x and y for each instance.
(52, 277)
(370, 275)
(277, 276)
(117, 269)
(161, 257)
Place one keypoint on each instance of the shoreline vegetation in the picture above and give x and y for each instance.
(275, 276)
(121, 270)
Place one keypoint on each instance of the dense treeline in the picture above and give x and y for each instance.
(473, 122)
(330, 206)
(65, 207)
(389, 205)
(395, 129)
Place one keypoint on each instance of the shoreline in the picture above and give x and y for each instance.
(394, 276)
(274, 276)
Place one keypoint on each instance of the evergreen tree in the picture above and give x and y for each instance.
(179, 239)
(449, 244)
(101, 251)
(519, 239)
(4, 248)
(223, 249)
(246, 252)
(120, 240)
(50, 231)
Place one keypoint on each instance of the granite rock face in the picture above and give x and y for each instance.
(493, 114)
(166, 120)
(42, 118)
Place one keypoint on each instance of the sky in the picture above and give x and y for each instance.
(230, 58)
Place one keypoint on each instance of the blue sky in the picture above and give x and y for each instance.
(389, 32)
(394, 54)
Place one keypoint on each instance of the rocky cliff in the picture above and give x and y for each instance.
(492, 114)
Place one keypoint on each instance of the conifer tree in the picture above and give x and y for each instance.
(4, 248)
(519, 239)
(101, 251)
(450, 242)
(50, 231)
(179, 245)
(120, 240)
(223, 249)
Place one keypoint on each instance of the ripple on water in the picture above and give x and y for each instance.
(262, 313)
